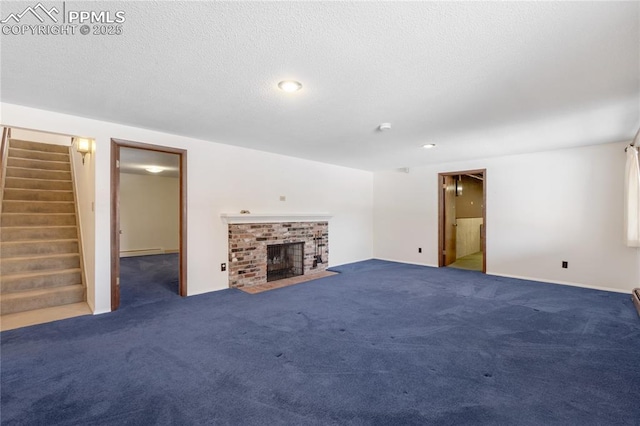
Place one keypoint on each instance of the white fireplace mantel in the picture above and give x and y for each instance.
(235, 218)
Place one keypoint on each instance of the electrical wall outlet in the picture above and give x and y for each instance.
(223, 267)
(565, 264)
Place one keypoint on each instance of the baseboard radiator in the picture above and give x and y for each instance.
(141, 252)
(635, 296)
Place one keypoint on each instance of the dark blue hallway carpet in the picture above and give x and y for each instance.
(148, 279)
(381, 343)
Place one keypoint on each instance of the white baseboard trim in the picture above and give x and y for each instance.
(147, 252)
(408, 263)
(520, 277)
(592, 287)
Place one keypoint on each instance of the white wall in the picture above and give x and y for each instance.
(149, 213)
(542, 209)
(84, 183)
(220, 178)
(468, 240)
(28, 135)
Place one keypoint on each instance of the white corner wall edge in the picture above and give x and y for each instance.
(234, 218)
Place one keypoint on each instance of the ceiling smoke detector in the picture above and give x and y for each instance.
(429, 145)
(384, 126)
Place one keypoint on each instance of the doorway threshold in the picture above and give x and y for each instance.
(470, 262)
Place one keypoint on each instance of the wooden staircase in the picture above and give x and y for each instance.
(40, 265)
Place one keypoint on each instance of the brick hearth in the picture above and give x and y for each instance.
(248, 248)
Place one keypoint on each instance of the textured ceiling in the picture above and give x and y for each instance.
(477, 79)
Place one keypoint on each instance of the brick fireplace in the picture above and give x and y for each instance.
(248, 242)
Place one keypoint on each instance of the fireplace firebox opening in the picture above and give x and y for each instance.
(285, 261)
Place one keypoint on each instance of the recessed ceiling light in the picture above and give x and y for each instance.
(154, 169)
(429, 145)
(290, 85)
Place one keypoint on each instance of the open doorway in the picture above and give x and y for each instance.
(148, 223)
(462, 220)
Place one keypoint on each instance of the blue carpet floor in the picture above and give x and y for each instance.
(148, 279)
(381, 343)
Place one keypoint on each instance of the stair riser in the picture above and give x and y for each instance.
(26, 248)
(28, 195)
(38, 233)
(63, 297)
(23, 266)
(14, 285)
(36, 146)
(38, 174)
(38, 164)
(37, 207)
(38, 219)
(37, 155)
(37, 184)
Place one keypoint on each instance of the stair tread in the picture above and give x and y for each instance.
(31, 168)
(42, 273)
(40, 257)
(53, 271)
(52, 240)
(31, 233)
(38, 201)
(26, 178)
(36, 159)
(38, 190)
(38, 170)
(40, 292)
(41, 227)
(17, 230)
(29, 150)
(22, 214)
(8, 186)
(61, 149)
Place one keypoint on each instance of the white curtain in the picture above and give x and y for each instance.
(632, 194)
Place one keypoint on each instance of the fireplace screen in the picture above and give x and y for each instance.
(285, 261)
